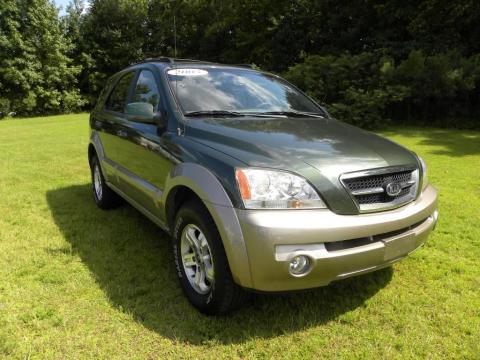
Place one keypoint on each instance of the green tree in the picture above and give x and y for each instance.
(36, 75)
(115, 33)
(74, 24)
(355, 88)
(229, 31)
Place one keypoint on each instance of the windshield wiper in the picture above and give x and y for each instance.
(289, 113)
(227, 113)
(213, 113)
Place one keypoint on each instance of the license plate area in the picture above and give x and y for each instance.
(399, 246)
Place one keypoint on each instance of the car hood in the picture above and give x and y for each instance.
(318, 149)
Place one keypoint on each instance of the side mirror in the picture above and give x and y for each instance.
(140, 112)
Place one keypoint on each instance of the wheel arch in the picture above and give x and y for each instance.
(91, 153)
(188, 180)
(175, 199)
(95, 148)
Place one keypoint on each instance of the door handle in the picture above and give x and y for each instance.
(122, 133)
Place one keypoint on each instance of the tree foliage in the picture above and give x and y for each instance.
(369, 89)
(36, 75)
(367, 61)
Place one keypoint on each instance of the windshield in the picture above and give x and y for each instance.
(236, 90)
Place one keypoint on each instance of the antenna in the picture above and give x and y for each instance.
(180, 131)
(175, 33)
(175, 46)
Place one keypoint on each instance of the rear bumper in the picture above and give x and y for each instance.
(330, 241)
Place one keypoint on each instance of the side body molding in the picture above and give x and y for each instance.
(201, 181)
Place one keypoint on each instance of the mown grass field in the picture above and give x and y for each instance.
(77, 282)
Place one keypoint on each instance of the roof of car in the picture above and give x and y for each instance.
(168, 61)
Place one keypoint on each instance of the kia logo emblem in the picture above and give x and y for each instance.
(393, 189)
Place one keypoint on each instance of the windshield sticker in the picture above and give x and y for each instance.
(187, 72)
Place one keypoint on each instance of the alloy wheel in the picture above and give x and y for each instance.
(97, 182)
(197, 259)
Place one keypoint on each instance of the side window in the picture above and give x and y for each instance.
(116, 101)
(146, 89)
(101, 99)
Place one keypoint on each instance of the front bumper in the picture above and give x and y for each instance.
(274, 237)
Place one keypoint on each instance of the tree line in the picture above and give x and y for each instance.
(368, 61)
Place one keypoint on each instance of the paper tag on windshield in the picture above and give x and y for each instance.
(187, 72)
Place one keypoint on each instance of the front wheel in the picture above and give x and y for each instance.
(202, 265)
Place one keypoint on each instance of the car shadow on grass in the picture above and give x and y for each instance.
(131, 261)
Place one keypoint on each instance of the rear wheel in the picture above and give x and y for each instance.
(104, 197)
(201, 262)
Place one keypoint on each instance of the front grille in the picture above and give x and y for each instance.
(372, 190)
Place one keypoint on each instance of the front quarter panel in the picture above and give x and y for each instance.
(206, 185)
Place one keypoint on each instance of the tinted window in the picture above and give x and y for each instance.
(239, 90)
(146, 89)
(116, 101)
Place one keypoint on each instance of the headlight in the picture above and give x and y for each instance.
(271, 189)
(424, 173)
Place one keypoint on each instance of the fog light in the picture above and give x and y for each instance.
(299, 265)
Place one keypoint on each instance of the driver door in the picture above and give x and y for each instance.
(142, 157)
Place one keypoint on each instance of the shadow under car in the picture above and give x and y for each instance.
(131, 260)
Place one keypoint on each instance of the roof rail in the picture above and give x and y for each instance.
(165, 59)
(189, 60)
(155, 59)
(249, 66)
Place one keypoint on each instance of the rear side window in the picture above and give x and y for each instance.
(118, 96)
(146, 89)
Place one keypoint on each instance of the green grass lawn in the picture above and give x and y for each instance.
(78, 282)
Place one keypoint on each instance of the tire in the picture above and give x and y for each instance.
(104, 197)
(216, 293)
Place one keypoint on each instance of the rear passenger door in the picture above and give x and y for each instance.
(143, 159)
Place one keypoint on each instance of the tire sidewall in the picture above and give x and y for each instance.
(208, 301)
(94, 164)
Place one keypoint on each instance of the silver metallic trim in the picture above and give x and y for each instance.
(271, 273)
(97, 182)
(367, 208)
(377, 171)
(377, 190)
(206, 186)
(197, 259)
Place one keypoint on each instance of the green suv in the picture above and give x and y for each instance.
(259, 187)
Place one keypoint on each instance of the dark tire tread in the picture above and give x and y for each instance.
(110, 199)
(228, 296)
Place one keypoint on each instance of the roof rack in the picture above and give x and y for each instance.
(249, 66)
(170, 60)
(165, 59)
(155, 59)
